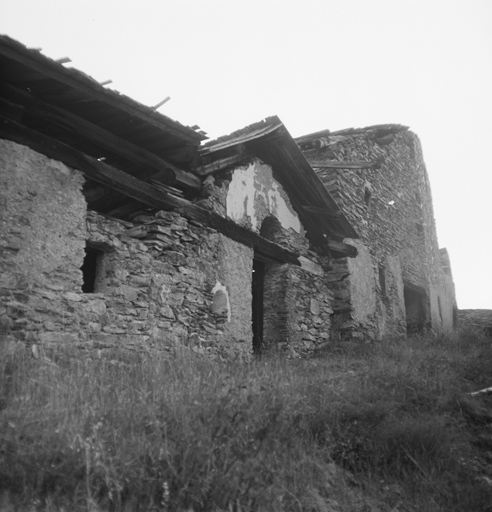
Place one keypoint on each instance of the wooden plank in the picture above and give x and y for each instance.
(75, 79)
(342, 249)
(96, 170)
(220, 164)
(240, 234)
(77, 128)
(344, 165)
(324, 212)
(139, 190)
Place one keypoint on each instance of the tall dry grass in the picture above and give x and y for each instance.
(365, 424)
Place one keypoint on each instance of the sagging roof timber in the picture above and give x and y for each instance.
(76, 92)
(324, 138)
(269, 140)
(72, 108)
(133, 156)
(143, 192)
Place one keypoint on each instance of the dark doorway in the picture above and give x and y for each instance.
(90, 268)
(258, 284)
(415, 309)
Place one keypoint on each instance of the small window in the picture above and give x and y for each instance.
(440, 308)
(420, 228)
(382, 280)
(367, 195)
(91, 268)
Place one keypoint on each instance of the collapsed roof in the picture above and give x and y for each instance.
(134, 157)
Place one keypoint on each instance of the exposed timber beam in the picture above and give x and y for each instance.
(345, 165)
(142, 191)
(220, 164)
(90, 166)
(146, 165)
(240, 234)
(342, 249)
(323, 212)
(40, 67)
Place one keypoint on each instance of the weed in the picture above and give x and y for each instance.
(385, 423)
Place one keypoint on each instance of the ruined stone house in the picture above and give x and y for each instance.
(401, 281)
(119, 227)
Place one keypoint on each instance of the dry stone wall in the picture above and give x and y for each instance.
(154, 280)
(77, 278)
(297, 304)
(390, 207)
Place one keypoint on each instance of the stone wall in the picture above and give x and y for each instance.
(297, 304)
(155, 276)
(75, 277)
(390, 207)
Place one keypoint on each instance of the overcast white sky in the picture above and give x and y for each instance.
(317, 64)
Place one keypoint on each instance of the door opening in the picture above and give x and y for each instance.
(258, 285)
(415, 309)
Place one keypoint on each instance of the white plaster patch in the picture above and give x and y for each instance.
(248, 189)
(221, 300)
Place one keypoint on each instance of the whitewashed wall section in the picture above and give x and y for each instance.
(254, 194)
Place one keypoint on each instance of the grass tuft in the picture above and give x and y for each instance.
(388, 425)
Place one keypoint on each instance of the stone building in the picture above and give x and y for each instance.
(401, 281)
(119, 227)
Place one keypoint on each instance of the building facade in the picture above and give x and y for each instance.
(400, 282)
(120, 228)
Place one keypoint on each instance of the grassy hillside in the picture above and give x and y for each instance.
(383, 427)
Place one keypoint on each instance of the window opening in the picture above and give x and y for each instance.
(382, 280)
(91, 268)
(440, 308)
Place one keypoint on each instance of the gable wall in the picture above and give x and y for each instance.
(298, 304)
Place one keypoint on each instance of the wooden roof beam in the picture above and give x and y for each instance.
(330, 213)
(373, 164)
(220, 164)
(90, 166)
(341, 249)
(36, 63)
(144, 192)
(147, 164)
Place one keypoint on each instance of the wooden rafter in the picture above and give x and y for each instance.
(74, 130)
(90, 166)
(341, 249)
(344, 165)
(28, 66)
(331, 213)
(143, 192)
